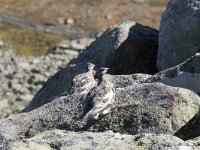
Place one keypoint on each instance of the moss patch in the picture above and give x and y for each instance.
(28, 42)
(157, 3)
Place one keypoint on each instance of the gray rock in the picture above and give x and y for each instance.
(69, 21)
(179, 33)
(60, 139)
(73, 45)
(148, 108)
(5, 109)
(138, 108)
(185, 75)
(126, 48)
(195, 142)
(2, 44)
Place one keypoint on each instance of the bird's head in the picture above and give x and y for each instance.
(90, 66)
(104, 70)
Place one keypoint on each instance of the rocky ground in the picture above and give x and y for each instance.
(22, 77)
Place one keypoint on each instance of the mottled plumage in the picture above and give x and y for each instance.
(100, 98)
(84, 82)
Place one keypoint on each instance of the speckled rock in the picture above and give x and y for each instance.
(195, 142)
(59, 139)
(179, 33)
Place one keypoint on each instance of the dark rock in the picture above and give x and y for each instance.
(125, 49)
(178, 37)
(191, 129)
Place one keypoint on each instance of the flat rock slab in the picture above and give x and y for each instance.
(59, 139)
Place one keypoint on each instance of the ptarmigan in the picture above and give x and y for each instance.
(100, 98)
(84, 82)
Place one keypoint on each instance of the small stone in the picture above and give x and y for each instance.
(16, 87)
(26, 97)
(1, 44)
(36, 61)
(108, 16)
(39, 77)
(69, 21)
(80, 44)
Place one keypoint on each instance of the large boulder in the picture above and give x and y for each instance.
(60, 139)
(138, 108)
(126, 48)
(185, 75)
(179, 33)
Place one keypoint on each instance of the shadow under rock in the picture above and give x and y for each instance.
(137, 54)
